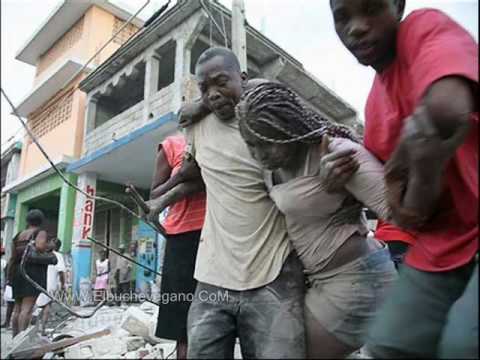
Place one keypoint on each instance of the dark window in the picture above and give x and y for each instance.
(128, 92)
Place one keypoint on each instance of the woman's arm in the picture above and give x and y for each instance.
(366, 184)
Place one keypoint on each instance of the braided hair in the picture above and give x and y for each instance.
(283, 118)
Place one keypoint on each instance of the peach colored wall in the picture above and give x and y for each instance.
(64, 139)
(78, 115)
(99, 29)
(67, 138)
(57, 142)
(53, 57)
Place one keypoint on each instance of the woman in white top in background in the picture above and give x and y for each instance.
(102, 267)
(348, 272)
(55, 284)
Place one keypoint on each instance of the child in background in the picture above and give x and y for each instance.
(102, 267)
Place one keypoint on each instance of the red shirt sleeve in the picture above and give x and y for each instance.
(168, 148)
(435, 46)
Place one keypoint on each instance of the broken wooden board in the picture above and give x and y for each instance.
(39, 351)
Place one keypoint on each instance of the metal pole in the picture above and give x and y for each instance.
(239, 33)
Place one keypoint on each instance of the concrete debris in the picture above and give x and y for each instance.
(79, 352)
(134, 342)
(132, 335)
(112, 333)
(95, 348)
(27, 339)
(38, 351)
(136, 322)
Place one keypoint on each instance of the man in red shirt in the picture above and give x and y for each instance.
(422, 120)
(183, 224)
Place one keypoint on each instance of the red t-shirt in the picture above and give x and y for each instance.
(388, 232)
(187, 214)
(430, 46)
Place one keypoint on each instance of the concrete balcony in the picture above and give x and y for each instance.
(130, 120)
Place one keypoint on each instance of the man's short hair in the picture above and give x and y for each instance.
(58, 244)
(230, 60)
(35, 217)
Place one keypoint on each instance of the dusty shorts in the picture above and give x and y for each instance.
(269, 321)
(345, 300)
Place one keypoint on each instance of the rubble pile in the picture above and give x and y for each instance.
(132, 338)
(113, 333)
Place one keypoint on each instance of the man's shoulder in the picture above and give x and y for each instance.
(209, 126)
(424, 24)
(424, 17)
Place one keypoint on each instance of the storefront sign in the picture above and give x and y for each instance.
(88, 214)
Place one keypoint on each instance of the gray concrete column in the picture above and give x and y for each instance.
(179, 73)
(152, 72)
(90, 115)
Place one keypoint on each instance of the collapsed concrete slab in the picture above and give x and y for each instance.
(136, 322)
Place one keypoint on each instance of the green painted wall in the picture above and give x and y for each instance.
(20, 215)
(43, 189)
(40, 188)
(66, 213)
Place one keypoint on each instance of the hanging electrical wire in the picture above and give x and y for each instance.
(60, 173)
(30, 247)
(155, 227)
(212, 19)
(114, 35)
(210, 33)
(224, 27)
(62, 176)
(12, 137)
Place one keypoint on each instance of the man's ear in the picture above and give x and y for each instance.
(244, 77)
(400, 5)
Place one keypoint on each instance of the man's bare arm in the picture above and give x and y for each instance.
(430, 139)
(191, 113)
(188, 172)
(161, 173)
(174, 195)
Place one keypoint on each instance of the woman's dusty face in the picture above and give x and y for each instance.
(271, 156)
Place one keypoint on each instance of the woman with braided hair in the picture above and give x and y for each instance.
(348, 273)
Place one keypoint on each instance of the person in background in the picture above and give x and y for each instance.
(132, 252)
(24, 293)
(3, 267)
(102, 270)
(123, 275)
(183, 225)
(10, 304)
(55, 284)
(421, 119)
(7, 299)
